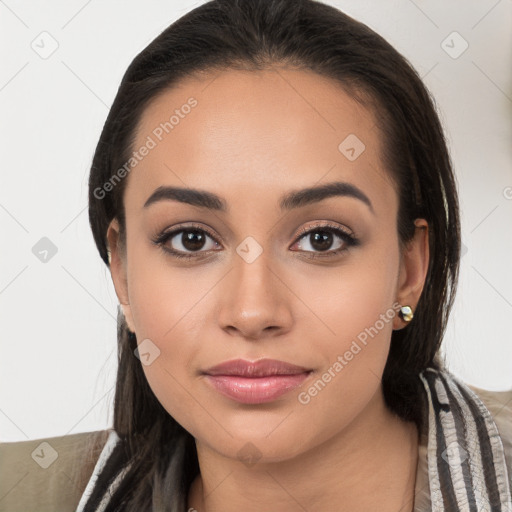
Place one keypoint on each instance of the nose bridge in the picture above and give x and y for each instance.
(255, 298)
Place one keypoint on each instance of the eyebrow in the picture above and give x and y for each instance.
(290, 201)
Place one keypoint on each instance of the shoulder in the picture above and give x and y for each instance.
(499, 404)
(48, 474)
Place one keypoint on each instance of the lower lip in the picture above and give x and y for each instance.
(256, 390)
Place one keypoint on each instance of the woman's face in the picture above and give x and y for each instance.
(271, 268)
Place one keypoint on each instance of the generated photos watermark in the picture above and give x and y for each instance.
(343, 360)
(157, 135)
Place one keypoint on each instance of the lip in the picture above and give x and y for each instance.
(254, 382)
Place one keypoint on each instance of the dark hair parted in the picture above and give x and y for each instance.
(254, 35)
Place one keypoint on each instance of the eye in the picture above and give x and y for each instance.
(186, 242)
(322, 237)
(191, 241)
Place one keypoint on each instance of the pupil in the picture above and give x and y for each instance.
(321, 240)
(192, 240)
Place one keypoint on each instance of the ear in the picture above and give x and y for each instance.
(117, 257)
(413, 270)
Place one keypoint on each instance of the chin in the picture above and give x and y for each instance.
(259, 449)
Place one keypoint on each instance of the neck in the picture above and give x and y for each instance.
(370, 465)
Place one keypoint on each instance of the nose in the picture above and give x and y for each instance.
(255, 300)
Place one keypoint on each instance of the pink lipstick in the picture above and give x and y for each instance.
(255, 382)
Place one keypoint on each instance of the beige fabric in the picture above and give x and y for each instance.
(49, 477)
(26, 486)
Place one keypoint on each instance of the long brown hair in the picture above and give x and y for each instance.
(253, 35)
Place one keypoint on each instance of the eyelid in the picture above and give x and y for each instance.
(324, 224)
(166, 234)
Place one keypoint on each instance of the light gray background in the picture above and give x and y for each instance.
(58, 341)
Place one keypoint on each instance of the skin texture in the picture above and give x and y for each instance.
(253, 137)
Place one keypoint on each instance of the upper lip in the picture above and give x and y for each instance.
(260, 368)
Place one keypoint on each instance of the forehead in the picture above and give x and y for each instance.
(263, 131)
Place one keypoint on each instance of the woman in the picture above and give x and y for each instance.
(273, 195)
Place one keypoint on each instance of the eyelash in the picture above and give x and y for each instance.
(349, 239)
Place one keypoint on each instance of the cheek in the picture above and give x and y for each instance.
(354, 301)
(365, 304)
(357, 311)
(168, 307)
(162, 295)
